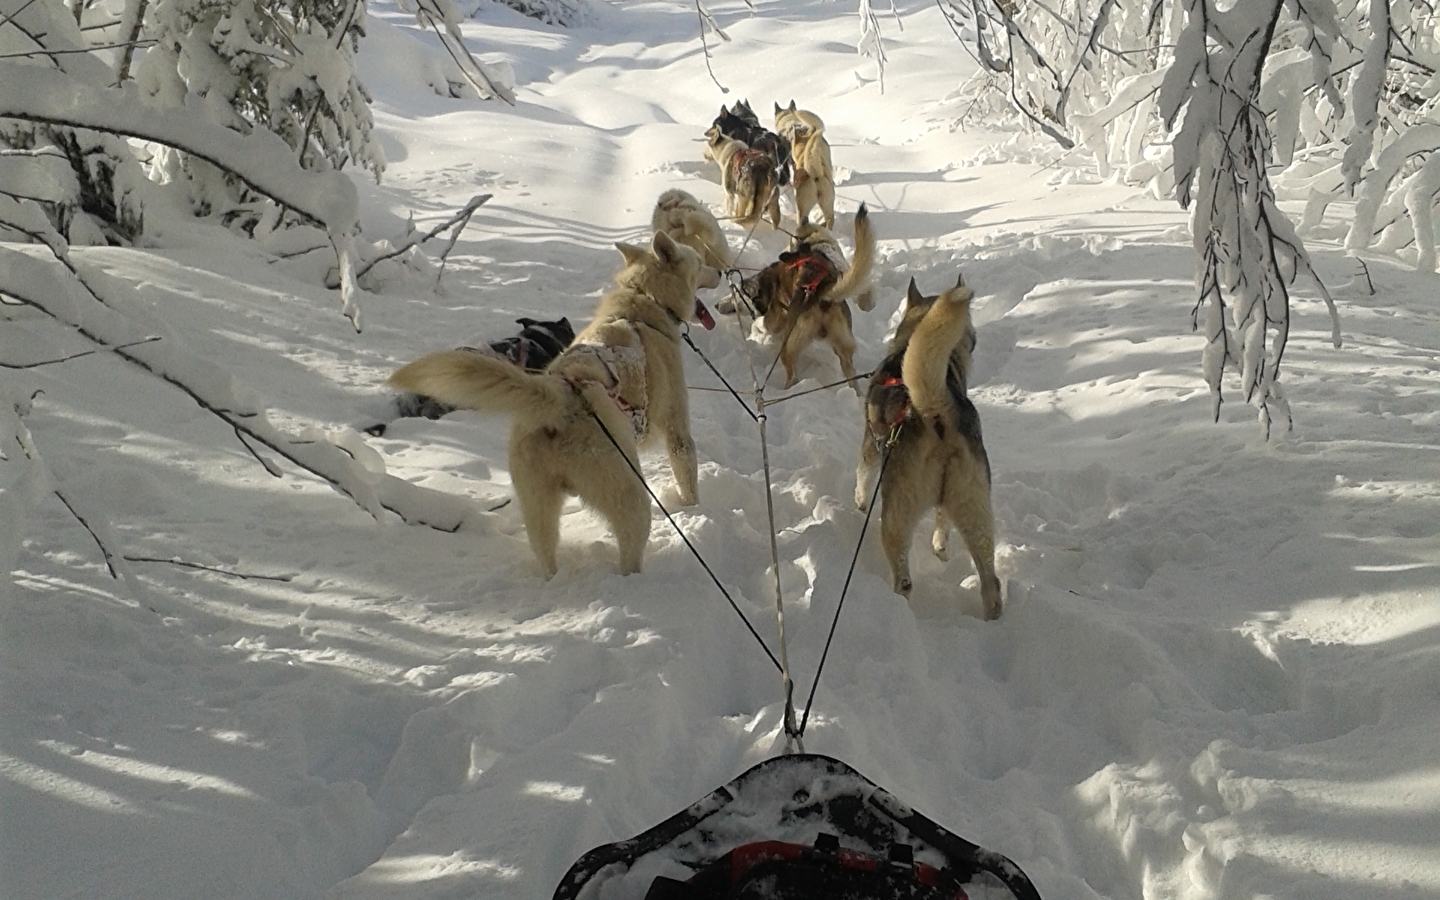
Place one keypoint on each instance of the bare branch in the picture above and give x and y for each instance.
(216, 569)
(459, 221)
(104, 550)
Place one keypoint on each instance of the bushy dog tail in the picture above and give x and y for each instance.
(470, 380)
(927, 358)
(756, 183)
(862, 265)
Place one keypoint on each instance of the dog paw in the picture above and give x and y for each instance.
(941, 546)
(903, 587)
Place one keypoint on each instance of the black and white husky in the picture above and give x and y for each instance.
(534, 348)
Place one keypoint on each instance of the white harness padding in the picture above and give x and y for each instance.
(619, 370)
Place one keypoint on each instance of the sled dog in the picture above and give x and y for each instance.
(814, 173)
(748, 177)
(916, 411)
(741, 123)
(622, 375)
(802, 295)
(537, 344)
(690, 222)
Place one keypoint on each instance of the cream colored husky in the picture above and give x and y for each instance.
(623, 372)
(916, 411)
(814, 173)
(687, 220)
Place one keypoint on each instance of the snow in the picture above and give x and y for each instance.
(1216, 674)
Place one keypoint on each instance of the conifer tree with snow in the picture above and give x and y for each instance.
(286, 66)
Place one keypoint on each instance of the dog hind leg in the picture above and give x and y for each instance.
(615, 491)
(865, 472)
(898, 514)
(801, 333)
(825, 194)
(843, 343)
(804, 199)
(967, 503)
(940, 541)
(541, 498)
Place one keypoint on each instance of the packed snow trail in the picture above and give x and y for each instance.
(1215, 675)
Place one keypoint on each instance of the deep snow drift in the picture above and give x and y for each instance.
(1216, 674)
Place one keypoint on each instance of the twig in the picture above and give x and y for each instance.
(51, 362)
(475, 72)
(216, 569)
(105, 551)
(462, 217)
(54, 53)
(1365, 270)
(455, 236)
(707, 19)
(233, 419)
(269, 464)
(11, 16)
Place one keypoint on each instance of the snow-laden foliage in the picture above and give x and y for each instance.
(1247, 250)
(284, 66)
(260, 160)
(1311, 100)
(89, 183)
(99, 308)
(443, 17)
(552, 12)
(1343, 81)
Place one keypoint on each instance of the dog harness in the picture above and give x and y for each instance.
(813, 268)
(743, 158)
(620, 371)
(898, 419)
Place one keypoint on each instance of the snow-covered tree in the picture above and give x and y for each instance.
(88, 182)
(1247, 249)
(1225, 107)
(285, 66)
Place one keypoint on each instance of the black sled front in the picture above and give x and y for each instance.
(800, 827)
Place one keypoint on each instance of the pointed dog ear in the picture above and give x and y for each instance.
(960, 280)
(912, 294)
(664, 247)
(632, 253)
(779, 108)
(792, 105)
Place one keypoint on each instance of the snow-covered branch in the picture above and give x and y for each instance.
(261, 160)
(79, 297)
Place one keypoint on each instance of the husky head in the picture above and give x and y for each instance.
(741, 110)
(797, 125)
(913, 312)
(717, 143)
(669, 273)
(732, 126)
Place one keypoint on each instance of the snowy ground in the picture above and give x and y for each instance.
(1216, 676)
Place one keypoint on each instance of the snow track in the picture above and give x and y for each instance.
(1215, 676)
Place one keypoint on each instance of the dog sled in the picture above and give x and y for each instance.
(799, 827)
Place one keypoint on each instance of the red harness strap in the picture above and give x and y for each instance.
(894, 424)
(742, 158)
(814, 268)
